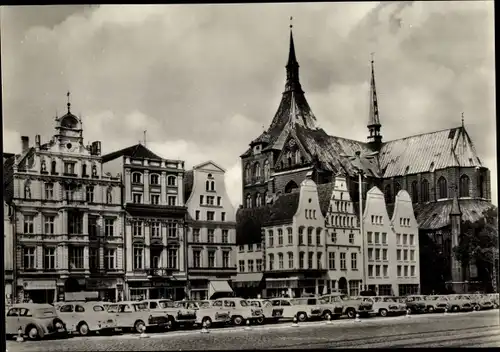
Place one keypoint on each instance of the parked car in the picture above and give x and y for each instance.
(86, 317)
(494, 299)
(136, 316)
(211, 313)
(480, 301)
(268, 311)
(35, 321)
(453, 303)
(350, 306)
(303, 308)
(240, 310)
(386, 305)
(416, 303)
(178, 313)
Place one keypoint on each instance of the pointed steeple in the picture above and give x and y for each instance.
(373, 119)
(292, 67)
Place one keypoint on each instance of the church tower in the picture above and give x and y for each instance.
(375, 138)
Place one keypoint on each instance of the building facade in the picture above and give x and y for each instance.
(211, 236)
(8, 254)
(67, 217)
(154, 222)
(249, 283)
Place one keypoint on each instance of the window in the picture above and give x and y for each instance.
(108, 227)
(92, 226)
(248, 173)
(225, 236)
(197, 215)
(377, 270)
(155, 229)
(242, 266)
(250, 265)
(202, 198)
(172, 258)
(69, 168)
(172, 200)
(406, 270)
(351, 238)
(342, 261)
(318, 237)
(271, 239)
(369, 236)
(223, 216)
(69, 191)
(211, 235)
(49, 257)
(155, 179)
(89, 194)
(211, 259)
(210, 215)
(309, 236)
(386, 270)
(301, 260)
(412, 240)
(49, 224)
(280, 260)
(405, 239)
(398, 254)
(266, 170)
(225, 259)
(442, 188)
(412, 270)
(384, 254)
(256, 170)
(319, 260)
(398, 238)
(136, 177)
(218, 201)
(354, 261)
(76, 257)
(210, 200)
(110, 259)
(331, 260)
(155, 199)
(377, 239)
(370, 270)
(172, 229)
(377, 254)
(334, 237)
(138, 258)
(280, 237)
(137, 198)
(370, 253)
(171, 181)
(414, 192)
(93, 258)
(249, 201)
(271, 261)
(258, 200)
(49, 191)
(310, 260)
(412, 254)
(384, 238)
(397, 188)
(301, 235)
(424, 190)
(137, 229)
(399, 270)
(53, 167)
(290, 260)
(405, 254)
(196, 235)
(259, 264)
(75, 222)
(290, 235)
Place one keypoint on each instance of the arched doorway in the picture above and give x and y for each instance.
(343, 285)
(290, 186)
(72, 285)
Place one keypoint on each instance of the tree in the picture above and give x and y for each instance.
(479, 245)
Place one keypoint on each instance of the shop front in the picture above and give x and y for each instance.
(37, 290)
(109, 290)
(282, 287)
(198, 289)
(248, 285)
(148, 289)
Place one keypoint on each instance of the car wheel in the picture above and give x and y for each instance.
(206, 322)
(83, 329)
(455, 309)
(237, 320)
(430, 309)
(302, 317)
(33, 333)
(351, 313)
(383, 312)
(478, 307)
(139, 326)
(260, 320)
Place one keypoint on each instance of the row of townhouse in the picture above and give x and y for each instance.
(311, 243)
(125, 225)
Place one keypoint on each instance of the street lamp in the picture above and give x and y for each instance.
(356, 162)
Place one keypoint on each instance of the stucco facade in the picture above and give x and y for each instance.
(211, 230)
(8, 254)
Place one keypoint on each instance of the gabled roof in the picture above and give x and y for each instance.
(249, 224)
(414, 154)
(136, 151)
(325, 191)
(200, 166)
(284, 208)
(188, 184)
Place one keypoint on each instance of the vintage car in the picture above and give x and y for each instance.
(479, 301)
(338, 304)
(240, 310)
(86, 317)
(181, 313)
(385, 305)
(303, 309)
(416, 304)
(270, 313)
(136, 316)
(211, 313)
(35, 321)
(494, 299)
(453, 303)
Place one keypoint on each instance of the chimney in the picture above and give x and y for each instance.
(37, 141)
(25, 143)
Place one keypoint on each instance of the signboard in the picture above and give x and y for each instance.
(40, 285)
(99, 284)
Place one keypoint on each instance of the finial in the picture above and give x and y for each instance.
(462, 119)
(145, 137)
(372, 54)
(69, 104)
(291, 22)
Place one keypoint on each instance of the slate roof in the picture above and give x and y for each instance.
(325, 191)
(136, 151)
(188, 184)
(436, 215)
(249, 224)
(283, 209)
(149, 210)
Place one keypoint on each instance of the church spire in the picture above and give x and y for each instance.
(292, 67)
(373, 118)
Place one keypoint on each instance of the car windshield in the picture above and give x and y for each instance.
(244, 303)
(185, 304)
(388, 299)
(266, 304)
(140, 306)
(255, 304)
(166, 304)
(205, 304)
(113, 308)
(45, 313)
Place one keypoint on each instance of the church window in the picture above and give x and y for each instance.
(414, 192)
(247, 173)
(290, 187)
(256, 170)
(249, 201)
(424, 191)
(266, 170)
(442, 188)
(258, 200)
(464, 186)
(297, 157)
(388, 194)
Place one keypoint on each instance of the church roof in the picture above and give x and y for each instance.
(415, 154)
(283, 209)
(325, 191)
(249, 224)
(188, 184)
(136, 151)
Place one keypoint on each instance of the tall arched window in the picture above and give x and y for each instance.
(397, 188)
(53, 167)
(414, 192)
(442, 188)
(249, 201)
(267, 170)
(136, 177)
(290, 260)
(256, 170)
(171, 180)
(258, 200)
(264, 198)
(207, 185)
(424, 190)
(388, 194)
(464, 186)
(271, 261)
(248, 174)
(154, 179)
(290, 186)
(297, 157)
(212, 185)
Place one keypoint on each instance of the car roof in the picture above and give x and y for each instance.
(32, 305)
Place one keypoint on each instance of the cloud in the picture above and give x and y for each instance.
(204, 79)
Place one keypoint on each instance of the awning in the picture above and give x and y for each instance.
(248, 277)
(218, 289)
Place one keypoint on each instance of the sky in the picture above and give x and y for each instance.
(204, 80)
